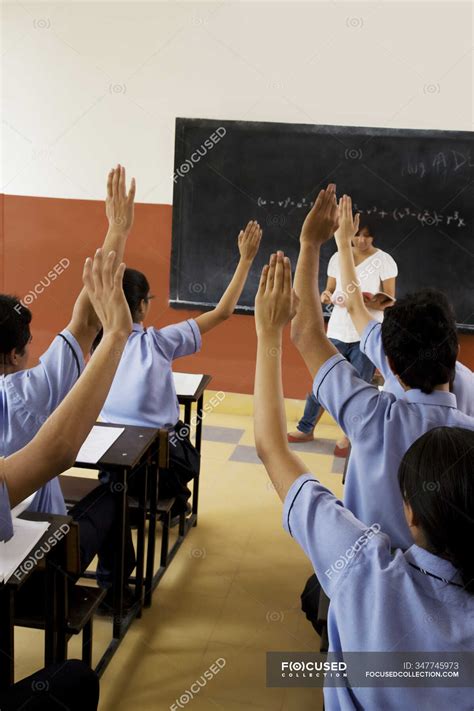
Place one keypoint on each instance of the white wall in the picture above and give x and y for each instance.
(88, 84)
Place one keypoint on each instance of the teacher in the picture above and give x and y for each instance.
(376, 272)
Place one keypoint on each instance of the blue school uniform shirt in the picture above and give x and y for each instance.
(381, 428)
(379, 602)
(143, 391)
(371, 344)
(6, 525)
(29, 397)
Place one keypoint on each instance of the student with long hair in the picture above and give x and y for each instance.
(420, 600)
(143, 392)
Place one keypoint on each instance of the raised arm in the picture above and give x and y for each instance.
(57, 443)
(248, 241)
(274, 307)
(307, 328)
(119, 208)
(353, 299)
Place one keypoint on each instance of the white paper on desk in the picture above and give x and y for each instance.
(99, 440)
(22, 506)
(186, 383)
(14, 552)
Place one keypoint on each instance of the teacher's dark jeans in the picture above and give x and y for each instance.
(361, 363)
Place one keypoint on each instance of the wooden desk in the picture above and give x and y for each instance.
(134, 447)
(187, 401)
(55, 562)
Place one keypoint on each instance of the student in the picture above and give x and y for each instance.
(370, 330)
(143, 391)
(381, 601)
(54, 449)
(380, 427)
(377, 271)
(31, 395)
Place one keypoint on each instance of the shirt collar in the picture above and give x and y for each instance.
(437, 397)
(137, 328)
(433, 563)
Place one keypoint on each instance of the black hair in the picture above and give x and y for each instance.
(367, 224)
(436, 478)
(420, 339)
(15, 322)
(136, 289)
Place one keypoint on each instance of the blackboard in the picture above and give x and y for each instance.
(415, 186)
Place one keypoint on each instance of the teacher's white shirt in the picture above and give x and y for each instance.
(370, 273)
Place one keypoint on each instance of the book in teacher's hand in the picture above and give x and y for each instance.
(380, 300)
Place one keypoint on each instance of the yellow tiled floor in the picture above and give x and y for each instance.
(231, 593)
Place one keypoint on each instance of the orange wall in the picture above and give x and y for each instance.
(39, 232)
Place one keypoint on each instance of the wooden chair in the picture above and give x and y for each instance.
(79, 603)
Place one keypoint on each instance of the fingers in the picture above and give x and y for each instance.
(109, 183)
(115, 180)
(122, 180)
(132, 191)
(263, 280)
(87, 276)
(279, 272)
(108, 271)
(271, 273)
(97, 271)
(118, 276)
(356, 223)
(287, 276)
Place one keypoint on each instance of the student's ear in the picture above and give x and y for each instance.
(13, 358)
(410, 516)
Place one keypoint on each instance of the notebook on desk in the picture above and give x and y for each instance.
(186, 384)
(14, 552)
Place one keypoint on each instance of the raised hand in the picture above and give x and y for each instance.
(119, 206)
(249, 240)
(348, 224)
(322, 220)
(104, 288)
(276, 303)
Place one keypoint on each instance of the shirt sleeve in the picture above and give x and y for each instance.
(48, 383)
(328, 533)
(333, 266)
(388, 268)
(179, 339)
(351, 401)
(371, 344)
(6, 524)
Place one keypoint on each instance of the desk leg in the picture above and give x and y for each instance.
(198, 442)
(150, 553)
(142, 505)
(51, 631)
(7, 649)
(119, 577)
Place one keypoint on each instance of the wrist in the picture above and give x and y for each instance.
(115, 338)
(116, 228)
(310, 242)
(269, 335)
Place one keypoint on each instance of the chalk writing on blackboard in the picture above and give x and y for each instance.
(440, 164)
(426, 217)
